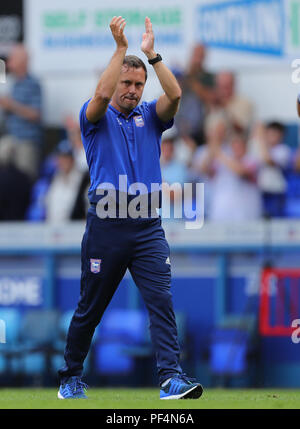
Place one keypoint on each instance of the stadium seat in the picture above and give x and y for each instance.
(292, 204)
(120, 330)
(122, 324)
(12, 319)
(33, 363)
(111, 359)
(39, 330)
(123, 345)
(2, 363)
(36, 210)
(274, 205)
(291, 135)
(292, 207)
(233, 351)
(9, 349)
(229, 351)
(293, 182)
(39, 327)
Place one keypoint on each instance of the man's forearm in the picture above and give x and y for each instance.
(167, 79)
(27, 112)
(109, 79)
(106, 86)
(168, 104)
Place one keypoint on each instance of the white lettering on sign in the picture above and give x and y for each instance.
(296, 72)
(2, 331)
(16, 291)
(245, 25)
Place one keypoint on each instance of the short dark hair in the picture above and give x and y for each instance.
(239, 132)
(275, 125)
(135, 62)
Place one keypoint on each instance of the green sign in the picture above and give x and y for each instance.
(64, 19)
(163, 16)
(74, 20)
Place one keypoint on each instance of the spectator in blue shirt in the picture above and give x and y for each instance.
(275, 157)
(23, 113)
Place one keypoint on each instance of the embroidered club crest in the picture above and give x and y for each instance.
(139, 121)
(95, 265)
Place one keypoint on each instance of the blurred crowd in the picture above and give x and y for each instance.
(248, 168)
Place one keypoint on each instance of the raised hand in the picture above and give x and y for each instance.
(117, 26)
(147, 45)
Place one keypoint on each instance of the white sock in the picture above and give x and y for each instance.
(165, 382)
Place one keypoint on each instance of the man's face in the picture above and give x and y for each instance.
(129, 89)
(225, 86)
(17, 60)
(273, 137)
(198, 56)
(239, 147)
(65, 163)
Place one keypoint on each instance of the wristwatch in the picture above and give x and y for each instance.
(155, 59)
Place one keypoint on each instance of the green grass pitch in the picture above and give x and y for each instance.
(120, 398)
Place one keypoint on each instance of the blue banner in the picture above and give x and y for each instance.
(245, 25)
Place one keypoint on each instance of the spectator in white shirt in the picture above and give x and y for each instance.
(201, 165)
(63, 190)
(229, 105)
(234, 193)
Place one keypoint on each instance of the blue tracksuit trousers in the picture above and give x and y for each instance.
(109, 247)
